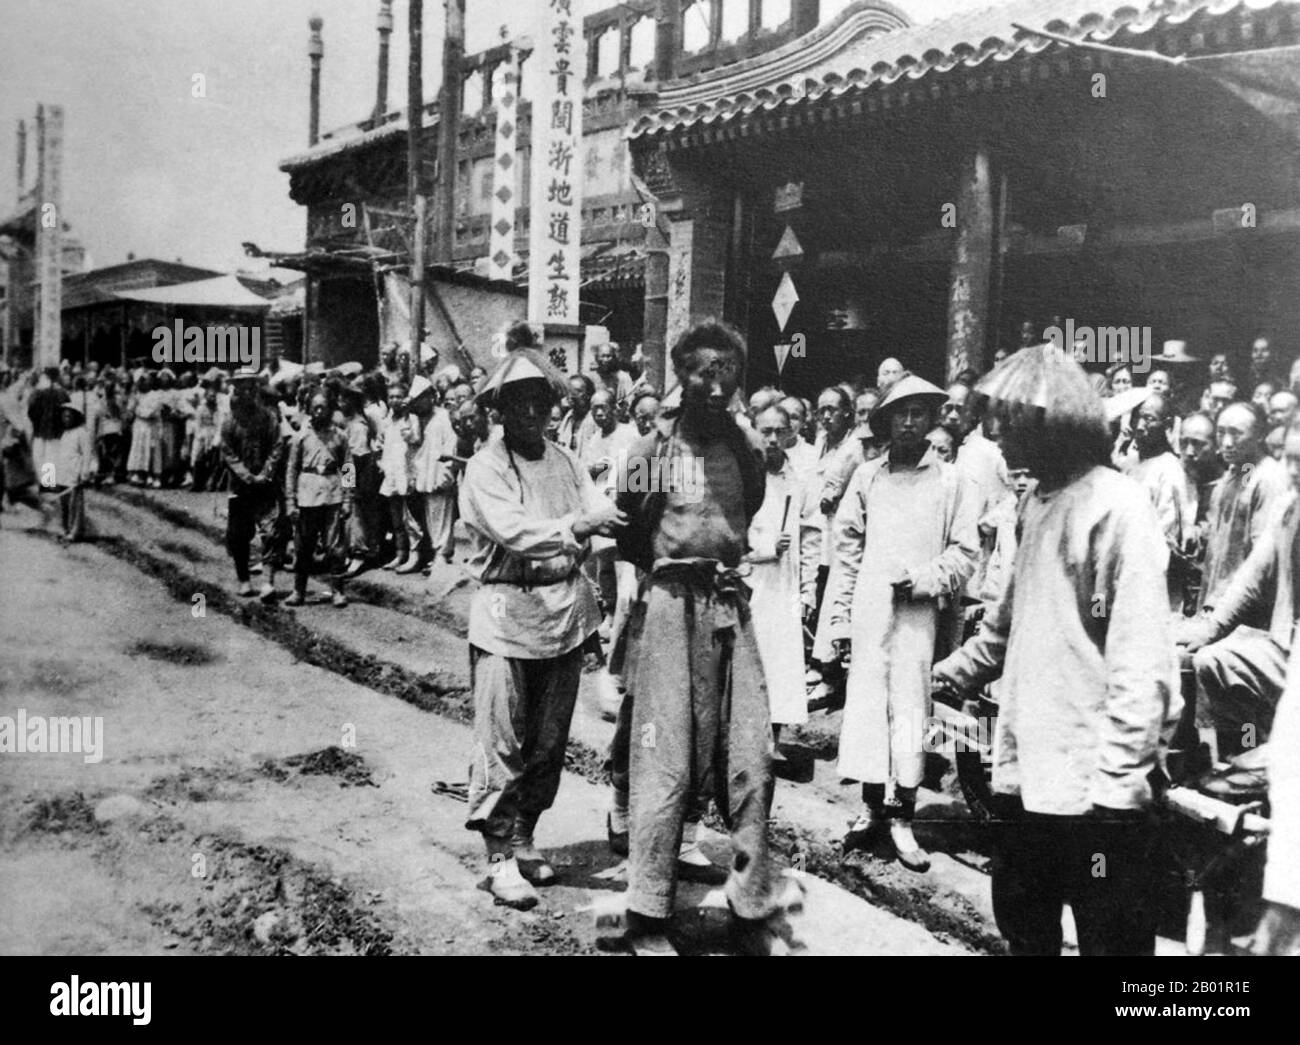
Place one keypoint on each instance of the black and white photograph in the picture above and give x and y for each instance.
(731, 478)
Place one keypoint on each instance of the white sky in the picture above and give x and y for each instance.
(152, 170)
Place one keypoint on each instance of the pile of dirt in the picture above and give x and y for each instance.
(885, 883)
(190, 654)
(202, 784)
(540, 933)
(347, 767)
(57, 814)
(261, 900)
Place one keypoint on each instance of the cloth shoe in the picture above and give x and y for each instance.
(825, 697)
(694, 866)
(338, 600)
(507, 885)
(532, 864)
(648, 937)
(394, 564)
(411, 565)
(355, 568)
(910, 854)
(863, 830)
(246, 590)
(296, 599)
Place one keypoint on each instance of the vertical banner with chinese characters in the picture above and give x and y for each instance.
(501, 255)
(558, 66)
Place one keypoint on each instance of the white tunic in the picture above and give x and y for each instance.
(922, 520)
(775, 602)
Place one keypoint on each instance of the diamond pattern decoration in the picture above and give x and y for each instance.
(502, 249)
(784, 300)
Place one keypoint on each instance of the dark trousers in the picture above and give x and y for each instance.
(522, 712)
(366, 527)
(420, 530)
(245, 515)
(1103, 869)
(1242, 676)
(112, 460)
(395, 505)
(318, 526)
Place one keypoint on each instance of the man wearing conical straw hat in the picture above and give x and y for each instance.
(1082, 640)
(905, 537)
(530, 509)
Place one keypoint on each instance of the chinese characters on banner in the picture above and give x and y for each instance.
(555, 192)
(502, 251)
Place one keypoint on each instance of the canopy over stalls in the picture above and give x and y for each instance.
(225, 292)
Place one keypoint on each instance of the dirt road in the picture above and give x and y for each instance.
(249, 801)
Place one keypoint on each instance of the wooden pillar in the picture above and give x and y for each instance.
(686, 273)
(804, 14)
(668, 21)
(654, 323)
(972, 264)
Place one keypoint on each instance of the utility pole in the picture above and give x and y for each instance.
(414, 196)
(449, 106)
(315, 49)
(385, 31)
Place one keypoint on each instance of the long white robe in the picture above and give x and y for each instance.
(922, 520)
(776, 583)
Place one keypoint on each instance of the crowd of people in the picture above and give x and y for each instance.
(1116, 561)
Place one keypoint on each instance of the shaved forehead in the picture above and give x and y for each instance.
(1237, 412)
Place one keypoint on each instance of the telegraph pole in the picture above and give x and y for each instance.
(414, 195)
(449, 106)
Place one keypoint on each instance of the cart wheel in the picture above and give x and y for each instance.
(1196, 924)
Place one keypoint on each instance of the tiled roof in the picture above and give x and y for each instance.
(963, 42)
(354, 137)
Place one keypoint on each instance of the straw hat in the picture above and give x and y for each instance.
(1121, 404)
(522, 364)
(909, 387)
(1045, 378)
(1174, 352)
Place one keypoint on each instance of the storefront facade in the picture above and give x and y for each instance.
(922, 192)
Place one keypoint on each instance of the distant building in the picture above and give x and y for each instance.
(353, 182)
(17, 280)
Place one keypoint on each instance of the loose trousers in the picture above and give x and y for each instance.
(1242, 677)
(319, 525)
(699, 726)
(1103, 869)
(522, 712)
(245, 515)
(366, 524)
(72, 510)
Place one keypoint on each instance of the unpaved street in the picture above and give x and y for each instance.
(250, 802)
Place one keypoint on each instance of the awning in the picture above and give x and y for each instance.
(973, 41)
(219, 292)
(1267, 81)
